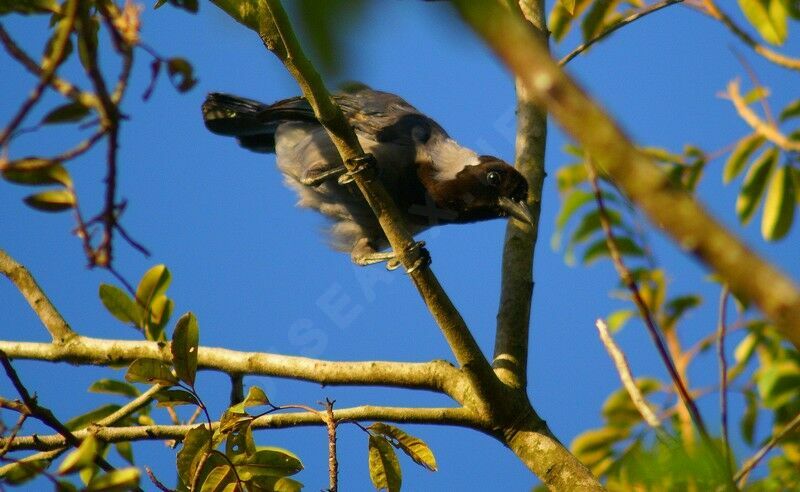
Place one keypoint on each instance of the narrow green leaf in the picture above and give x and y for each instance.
(599, 248)
(82, 457)
(86, 419)
(414, 447)
(114, 387)
(172, 398)
(270, 462)
(34, 171)
(594, 20)
(749, 417)
(120, 304)
(27, 7)
(195, 444)
(571, 175)
(569, 5)
(574, 201)
(67, 113)
(792, 110)
(160, 313)
(151, 371)
(153, 284)
(595, 439)
(778, 383)
(125, 449)
(22, 471)
(51, 201)
(591, 223)
(218, 479)
(779, 205)
(122, 480)
(769, 17)
(618, 319)
(756, 94)
(740, 155)
(754, 184)
(618, 409)
(184, 348)
(384, 469)
(247, 12)
(181, 74)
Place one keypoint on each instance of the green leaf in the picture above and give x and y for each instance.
(150, 371)
(121, 480)
(779, 205)
(67, 113)
(80, 458)
(120, 304)
(154, 283)
(740, 155)
(114, 387)
(749, 417)
(247, 12)
(570, 176)
(86, 419)
(125, 449)
(754, 184)
(51, 201)
(678, 306)
(756, 94)
(792, 110)
(181, 74)
(255, 397)
(184, 348)
(27, 7)
(22, 471)
(270, 462)
(594, 21)
(160, 313)
(574, 201)
(779, 383)
(172, 398)
(587, 445)
(616, 320)
(35, 171)
(277, 484)
(591, 223)
(569, 5)
(599, 248)
(769, 17)
(195, 444)
(187, 5)
(240, 445)
(232, 419)
(218, 479)
(87, 40)
(414, 447)
(384, 469)
(619, 410)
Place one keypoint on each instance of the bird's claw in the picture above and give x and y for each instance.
(422, 258)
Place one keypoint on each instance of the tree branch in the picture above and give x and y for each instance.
(438, 376)
(622, 22)
(642, 181)
(766, 130)
(41, 305)
(459, 417)
(513, 316)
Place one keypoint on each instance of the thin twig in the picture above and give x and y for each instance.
(624, 371)
(766, 130)
(333, 463)
(160, 486)
(722, 328)
(741, 476)
(644, 310)
(622, 22)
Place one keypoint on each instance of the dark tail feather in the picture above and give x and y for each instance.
(252, 122)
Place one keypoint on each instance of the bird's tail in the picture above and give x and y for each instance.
(252, 122)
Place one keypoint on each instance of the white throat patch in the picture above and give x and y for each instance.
(449, 158)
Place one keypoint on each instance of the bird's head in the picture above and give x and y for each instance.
(486, 190)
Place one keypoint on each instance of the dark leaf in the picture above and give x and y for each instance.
(172, 398)
(114, 387)
(68, 113)
(151, 371)
(81, 421)
(36, 171)
(184, 348)
(195, 444)
(120, 304)
(181, 74)
(51, 201)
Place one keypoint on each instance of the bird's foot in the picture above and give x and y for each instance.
(363, 255)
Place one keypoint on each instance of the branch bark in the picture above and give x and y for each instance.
(513, 316)
(439, 376)
(643, 182)
(459, 417)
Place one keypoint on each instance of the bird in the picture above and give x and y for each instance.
(432, 178)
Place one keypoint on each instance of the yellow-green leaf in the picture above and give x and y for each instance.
(153, 284)
(769, 17)
(414, 447)
(195, 444)
(384, 469)
(740, 155)
(122, 480)
(754, 184)
(22, 471)
(80, 458)
(151, 371)
(84, 420)
(569, 5)
(184, 348)
(219, 478)
(114, 387)
(36, 171)
(779, 205)
(172, 398)
(51, 201)
(120, 304)
(792, 110)
(270, 461)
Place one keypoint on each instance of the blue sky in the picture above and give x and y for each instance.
(259, 276)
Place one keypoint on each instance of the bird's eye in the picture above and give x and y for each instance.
(493, 178)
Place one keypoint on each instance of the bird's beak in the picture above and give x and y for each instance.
(517, 209)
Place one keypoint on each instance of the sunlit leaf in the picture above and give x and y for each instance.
(574, 201)
(121, 480)
(756, 94)
(769, 17)
(195, 444)
(153, 284)
(114, 387)
(27, 7)
(184, 348)
(271, 462)
(86, 419)
(218, 479)
(740, 155)
(779, 205)
(599, 248)
(597, 440)
(619, 410)
(412, 446)
(151, 371)
(616, 320)
(779, 383)
(754, 184)
(792, 110)
(51, 201)
(34, 171)
(125, 449)
(571, 175)
(120, 304)
(22, 471)
(255, 397)
(384, 469)
(181, 74)
(172, 398)
(80, 458)
(594, 21)
(239, 445)
(749, 417)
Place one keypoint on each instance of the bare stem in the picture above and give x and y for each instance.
(741, 476)
(722, 327)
